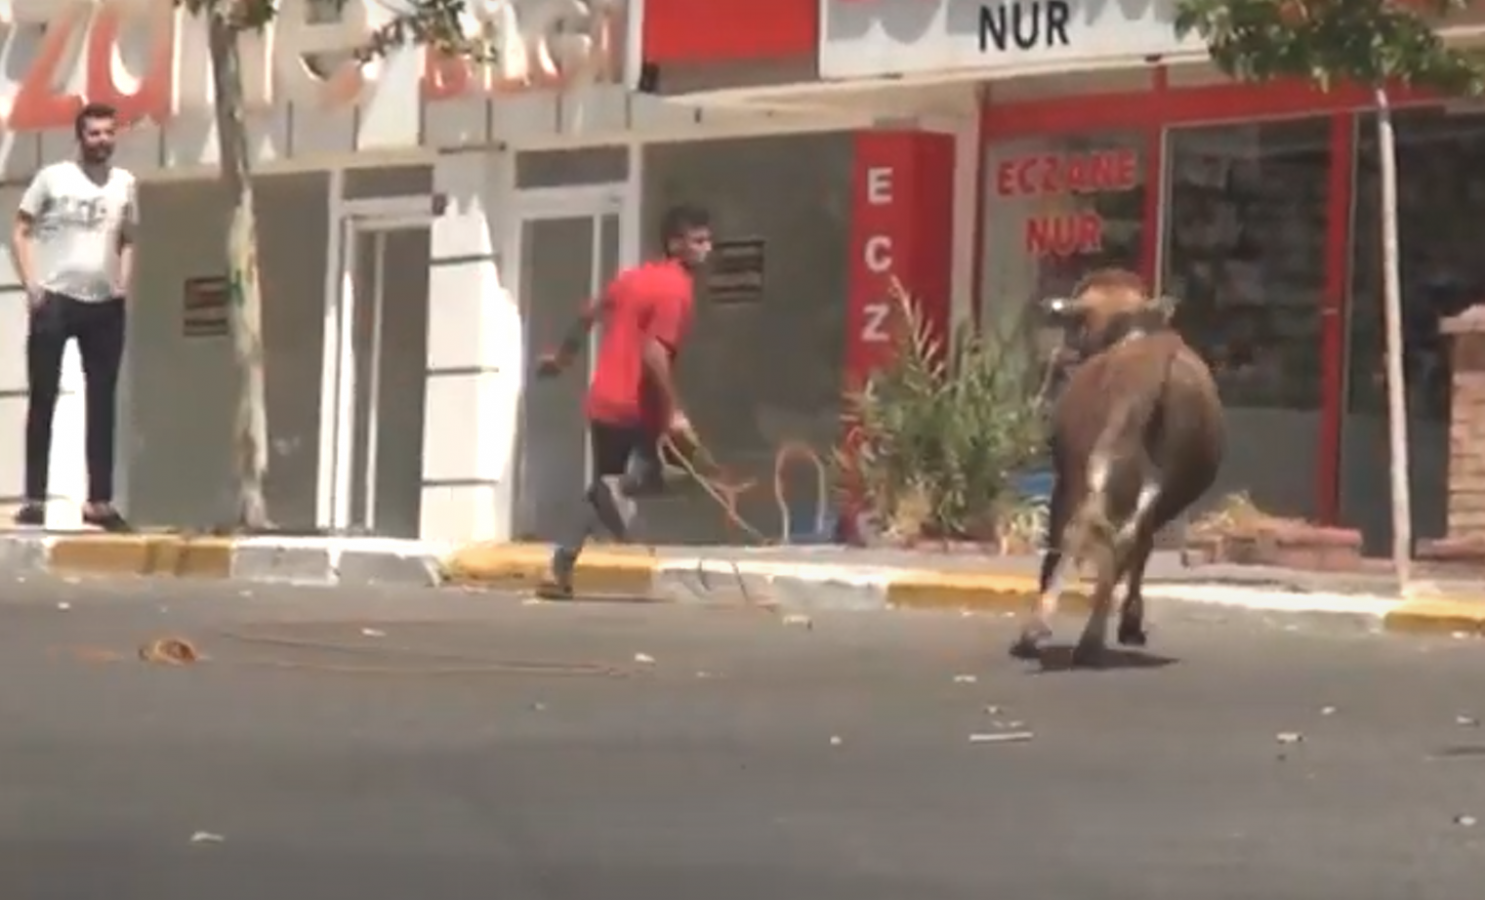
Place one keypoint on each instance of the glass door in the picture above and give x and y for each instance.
(379, 377)
(569, 248)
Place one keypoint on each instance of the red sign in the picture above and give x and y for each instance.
(730, 30)
(902, 198)
(901, 223)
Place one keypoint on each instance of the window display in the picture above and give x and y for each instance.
(1245, 255)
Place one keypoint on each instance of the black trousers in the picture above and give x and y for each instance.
(626, 465)
(99, 330)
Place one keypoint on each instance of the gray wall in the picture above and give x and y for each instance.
(176, 433)
(755, 375)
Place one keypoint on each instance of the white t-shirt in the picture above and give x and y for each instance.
(77, 228)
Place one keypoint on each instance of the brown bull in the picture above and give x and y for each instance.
(1137, 437)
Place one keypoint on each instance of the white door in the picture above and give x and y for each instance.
(376, 371)
(569, 248)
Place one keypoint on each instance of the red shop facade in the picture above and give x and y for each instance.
(1107, 142)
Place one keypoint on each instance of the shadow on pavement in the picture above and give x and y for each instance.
(1059, 658)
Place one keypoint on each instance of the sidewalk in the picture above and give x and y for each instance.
(796, 578)
(828, 577)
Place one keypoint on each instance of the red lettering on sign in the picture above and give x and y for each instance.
(37, 103)
(1064, 234)
(1088, 173)
(151, 98)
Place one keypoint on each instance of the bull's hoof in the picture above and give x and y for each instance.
(1027, 646)
(1088, 655)
(1132, 634)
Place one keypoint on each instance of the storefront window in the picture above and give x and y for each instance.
(1245, 255)
(1441, 208)
(1058, 208)
(1440, 216)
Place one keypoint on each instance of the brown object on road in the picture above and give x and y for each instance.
(170, 651)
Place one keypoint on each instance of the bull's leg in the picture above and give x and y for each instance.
(1038, 627)
(1132, 612)
(1127, 538)
(1090, 648)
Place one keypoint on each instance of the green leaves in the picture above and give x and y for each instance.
(937, 436)
(1369, 42)
(425, 23)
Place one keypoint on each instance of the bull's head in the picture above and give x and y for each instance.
(1107, 306)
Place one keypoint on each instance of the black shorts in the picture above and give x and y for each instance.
(626, 450)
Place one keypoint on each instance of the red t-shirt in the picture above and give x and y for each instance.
(649, 302)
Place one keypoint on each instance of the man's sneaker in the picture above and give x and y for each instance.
(106, 518)
(558, 585)
(32, 515)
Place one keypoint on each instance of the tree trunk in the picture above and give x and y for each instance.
(1397, 391)
(246, 316)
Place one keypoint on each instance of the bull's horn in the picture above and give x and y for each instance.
(1059, 306)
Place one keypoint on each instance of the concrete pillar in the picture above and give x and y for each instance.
(475, 362)
(1466, 432)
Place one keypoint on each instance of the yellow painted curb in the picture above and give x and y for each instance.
(600, 570)
(206, 557)
(142, 554)
(112, 554)
(1437, 616)
(972, 591)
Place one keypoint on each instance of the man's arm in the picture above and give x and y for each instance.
(575, 339)
(127, 228)
(576, 336)
(23, 233)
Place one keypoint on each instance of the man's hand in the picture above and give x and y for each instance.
(35, 296)
(680, 431)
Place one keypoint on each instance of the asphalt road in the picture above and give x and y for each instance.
(420, 745)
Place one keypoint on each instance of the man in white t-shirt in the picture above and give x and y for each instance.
(74, 245)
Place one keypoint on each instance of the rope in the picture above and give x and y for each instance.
(728, 493)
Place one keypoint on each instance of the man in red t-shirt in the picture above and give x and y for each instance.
(644, 316)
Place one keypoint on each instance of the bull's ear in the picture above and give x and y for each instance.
(1164, 305)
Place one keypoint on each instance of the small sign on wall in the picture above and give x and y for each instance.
(735, 273)
(204, 307)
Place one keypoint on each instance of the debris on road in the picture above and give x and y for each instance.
(206, 837)
(373, 632)
(1289, 737)
(1465, 821)
(801, 621)
(64, 605)
(1327, 710)
(538, 707)
(992, 710)
(1466, 721)
(532, 601)
(170, 651)
(835, 740)
(965, 679)
(1001, 737)
(643, 658)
